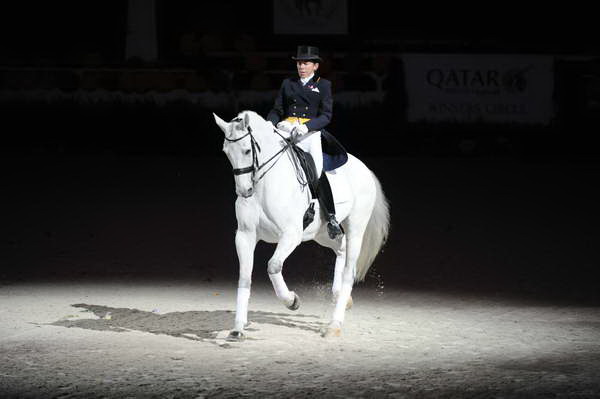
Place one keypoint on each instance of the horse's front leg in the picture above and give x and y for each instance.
(286, 245)
(245, 242)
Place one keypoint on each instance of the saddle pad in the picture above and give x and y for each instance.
(339, 186)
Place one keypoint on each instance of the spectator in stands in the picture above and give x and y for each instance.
(380, 68)
(191, 52)
(356, 79)
(244, 43)
(394, 100)
(252, 76)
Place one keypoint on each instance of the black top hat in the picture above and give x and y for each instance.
(307, 53)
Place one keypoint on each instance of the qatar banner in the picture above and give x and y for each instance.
(477, 88)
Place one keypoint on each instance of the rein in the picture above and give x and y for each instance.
(255, 167)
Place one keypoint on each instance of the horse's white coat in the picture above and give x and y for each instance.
(272, 209)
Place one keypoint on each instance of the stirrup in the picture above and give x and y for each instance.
(334, 229)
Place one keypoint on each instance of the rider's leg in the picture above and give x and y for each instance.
(312, 145)
(326, 200)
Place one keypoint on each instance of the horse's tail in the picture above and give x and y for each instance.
(376, 232)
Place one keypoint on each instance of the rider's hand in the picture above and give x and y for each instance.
(302, 129)
(285, 126)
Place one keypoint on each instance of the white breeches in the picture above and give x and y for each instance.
(312, 145)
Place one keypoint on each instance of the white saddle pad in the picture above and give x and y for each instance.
(339, 186)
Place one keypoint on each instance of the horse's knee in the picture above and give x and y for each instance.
(274, 266)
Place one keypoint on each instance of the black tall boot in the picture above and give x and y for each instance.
(334, 229)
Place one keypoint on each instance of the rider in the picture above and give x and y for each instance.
(304, 104)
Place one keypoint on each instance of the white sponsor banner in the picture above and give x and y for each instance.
(299, 17)
(495, 88)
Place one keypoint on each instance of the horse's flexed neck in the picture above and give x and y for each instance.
(248, 140)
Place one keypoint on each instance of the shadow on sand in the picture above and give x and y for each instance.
(194, 325)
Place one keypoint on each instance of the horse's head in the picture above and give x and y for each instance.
(241, 150)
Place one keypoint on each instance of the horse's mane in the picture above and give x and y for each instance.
(253, 116)
(238, 122)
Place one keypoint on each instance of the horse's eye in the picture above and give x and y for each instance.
(247, 152)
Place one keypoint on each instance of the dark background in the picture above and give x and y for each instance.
(96, 187)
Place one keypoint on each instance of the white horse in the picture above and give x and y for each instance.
(271, 204)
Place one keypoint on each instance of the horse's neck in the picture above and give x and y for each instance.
(279, 178)
(268, 142)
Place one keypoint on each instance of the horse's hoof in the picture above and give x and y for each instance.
(295, 304)
(349, 303)
(235, 336)
(333, 330)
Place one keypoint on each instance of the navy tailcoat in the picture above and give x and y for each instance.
(311, 101)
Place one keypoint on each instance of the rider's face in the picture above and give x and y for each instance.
(306, 68)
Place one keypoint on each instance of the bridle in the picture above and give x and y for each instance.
(256, 167)
(255, 149)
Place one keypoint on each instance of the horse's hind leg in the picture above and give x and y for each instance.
(245, 242)
(287, 243)
(340, 263)
(354, 234)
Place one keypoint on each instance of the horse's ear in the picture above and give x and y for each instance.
(246, 121)
(221, 123)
